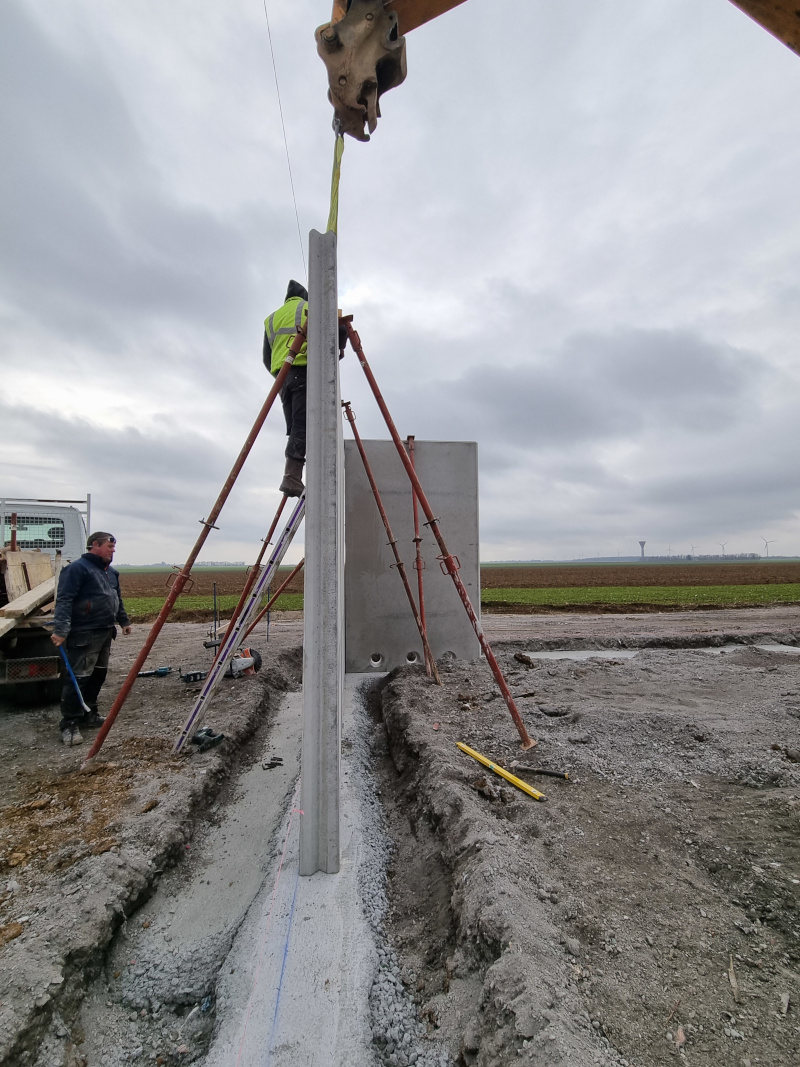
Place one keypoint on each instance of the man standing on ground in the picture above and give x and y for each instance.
(279, 332)
(88, 605)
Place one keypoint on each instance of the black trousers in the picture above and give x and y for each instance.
(88, 652)
(293, 398)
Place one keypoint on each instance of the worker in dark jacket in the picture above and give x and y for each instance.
(279, 331)
(88, 606)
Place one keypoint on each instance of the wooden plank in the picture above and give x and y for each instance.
(39, 618)
(25, 570)
(6, 625)
(16, 585)
(40, 567)
(28, 602)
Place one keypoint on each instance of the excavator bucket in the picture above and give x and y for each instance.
(365, 56)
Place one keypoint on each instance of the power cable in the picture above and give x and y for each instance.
(286, 143)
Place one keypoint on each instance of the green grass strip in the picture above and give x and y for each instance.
(675, 596)
(690, 596)
(147, 605)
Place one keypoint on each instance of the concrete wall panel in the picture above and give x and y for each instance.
(380, 632)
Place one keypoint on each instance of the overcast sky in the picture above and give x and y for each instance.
(573, 238)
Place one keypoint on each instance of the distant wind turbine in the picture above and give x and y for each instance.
(722, 547)
(767, 544)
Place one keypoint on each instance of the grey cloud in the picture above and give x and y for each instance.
(95, 245)
(595, 388)
(158, 484)
(570, 229)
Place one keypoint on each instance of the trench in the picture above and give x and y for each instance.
(235, 959)
(156, 993)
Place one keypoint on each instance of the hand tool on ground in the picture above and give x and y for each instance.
(503, 773)
(158, 672)
(191, 676)
(71, 673)
(206, 738)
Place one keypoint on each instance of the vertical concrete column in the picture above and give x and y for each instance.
(323, 647)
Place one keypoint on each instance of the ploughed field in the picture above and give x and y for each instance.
(635, 587)
(630, 587)
(145, 591)
(568, 576)
(639, 574)
(229, 582)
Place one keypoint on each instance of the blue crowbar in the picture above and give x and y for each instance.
(71, 673)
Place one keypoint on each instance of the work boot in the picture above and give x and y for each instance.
(71, 735)
(93, 719)
(292, 484)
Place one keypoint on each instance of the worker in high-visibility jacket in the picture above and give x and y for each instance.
(279, 331)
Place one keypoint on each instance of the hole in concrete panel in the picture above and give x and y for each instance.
(412, 657)
(376, 659)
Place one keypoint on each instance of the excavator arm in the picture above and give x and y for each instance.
(782, 19)
(364, 49)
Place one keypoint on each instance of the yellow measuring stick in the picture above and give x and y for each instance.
(518, 782)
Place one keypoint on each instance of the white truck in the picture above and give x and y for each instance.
(36, 537)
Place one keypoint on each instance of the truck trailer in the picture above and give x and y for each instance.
(37, 537)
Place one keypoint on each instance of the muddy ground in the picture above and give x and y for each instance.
(646, 912)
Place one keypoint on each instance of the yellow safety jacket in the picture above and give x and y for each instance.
(280, 328)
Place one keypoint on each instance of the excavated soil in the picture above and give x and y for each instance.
(645, 913)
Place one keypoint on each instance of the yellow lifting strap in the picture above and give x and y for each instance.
(338, 149)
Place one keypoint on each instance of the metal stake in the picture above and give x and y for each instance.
(208, 525)
(233, 637)
(419, 562)
(449, 563)
(270, 601)
(254, 573)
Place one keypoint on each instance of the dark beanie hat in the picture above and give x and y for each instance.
(296, 289)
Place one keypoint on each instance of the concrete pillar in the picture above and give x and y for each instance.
(323, 646)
